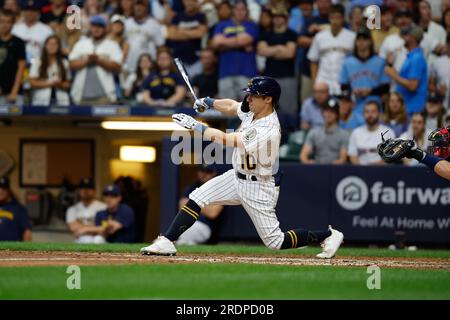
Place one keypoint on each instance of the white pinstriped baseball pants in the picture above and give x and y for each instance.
(258, 198)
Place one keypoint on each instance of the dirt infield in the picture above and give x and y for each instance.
(10, 258)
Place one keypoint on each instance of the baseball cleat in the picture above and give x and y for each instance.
(160, 247)
(331, 244)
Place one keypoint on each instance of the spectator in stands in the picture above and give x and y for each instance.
(117, 34)
(393, 49)
(326, 144)
(117, 220)
(32, 31)
(15, 225)
(346, 105)
(364, 140)
(90, 9)
(418, 133)
(143, 33)
(80, 217)
(412, 80)
(279, 46)
(96, 59)
(311, 113)
(205, 84)
(13, 6)
(163, 87)
(54, 13)
(425, 21)
(434, 112)
(311, 26)
(205, 228)
(184, 36)
(224, 12)
(387, 28)
(356, 18)
(265, 21)
(439, 77)
(395, 115)
(133, 84)
(235, 40)
(446, 20)
(50, 75)
(329, 49)
(125, 8)
(303, 10)
(363, 73)
(12, 60)
(162, 10)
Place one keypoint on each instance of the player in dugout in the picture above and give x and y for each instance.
(15, 224)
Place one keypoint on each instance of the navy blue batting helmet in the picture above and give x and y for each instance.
(264, 86)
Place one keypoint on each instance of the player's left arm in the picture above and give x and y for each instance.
(233, 139)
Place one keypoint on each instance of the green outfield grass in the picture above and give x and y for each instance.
(222, 281)
(226, 249)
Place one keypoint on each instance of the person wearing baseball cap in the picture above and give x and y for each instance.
(31, 30)
(434, 111)
(363, 73)
(412, 79)
(205, 229)
(15, 225)
(80, 217)
(97, 59)
(117, 221)
(326, 144)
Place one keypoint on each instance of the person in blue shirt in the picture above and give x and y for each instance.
(363, 73)
(117, 220)
(15, 224)
(163, 87)
(413, 76)
(347, 120)
(235, 40)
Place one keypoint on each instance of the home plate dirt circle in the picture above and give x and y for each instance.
(10, 258)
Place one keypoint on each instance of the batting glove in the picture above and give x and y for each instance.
(188, 122)
(203, 104)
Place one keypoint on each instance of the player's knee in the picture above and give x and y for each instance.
(272, 243)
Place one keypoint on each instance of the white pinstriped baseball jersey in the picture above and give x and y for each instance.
(261, 139)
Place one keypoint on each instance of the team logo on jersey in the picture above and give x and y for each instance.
(250, 134)
(352, 193)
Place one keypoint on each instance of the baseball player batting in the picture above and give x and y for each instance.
(254, 181)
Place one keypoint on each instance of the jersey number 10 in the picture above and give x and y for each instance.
(248, 162)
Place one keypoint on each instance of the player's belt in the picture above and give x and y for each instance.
(276, 176)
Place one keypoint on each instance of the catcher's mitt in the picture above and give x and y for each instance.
(393, 150)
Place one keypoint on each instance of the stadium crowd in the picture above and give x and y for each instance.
(343, 83)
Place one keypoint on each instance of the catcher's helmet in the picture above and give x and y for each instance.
(264, 86)
(439, 142)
